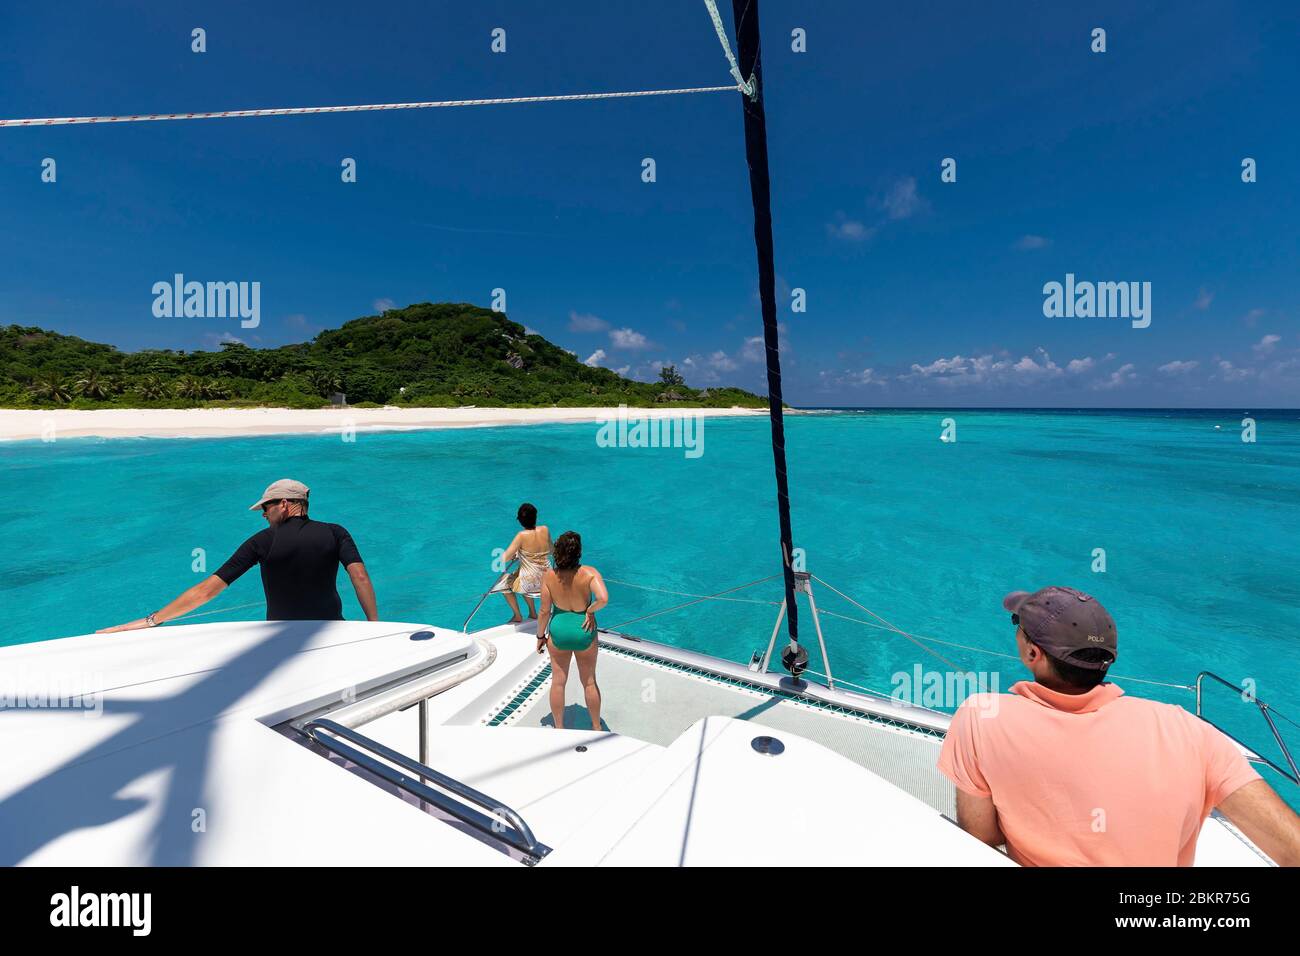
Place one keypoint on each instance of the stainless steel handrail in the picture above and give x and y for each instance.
(497, 588)
(517, 835)
(1249, 697)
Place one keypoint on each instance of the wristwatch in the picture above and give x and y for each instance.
(150, 621)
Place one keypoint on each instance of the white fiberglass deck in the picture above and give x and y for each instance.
(657, 702)
(178, 765)
(184, 750)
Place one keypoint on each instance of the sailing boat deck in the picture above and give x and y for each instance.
(210, 718)
(657, 701)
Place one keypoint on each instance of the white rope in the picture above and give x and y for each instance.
(305, 110)
(841, 682)
(893, 627)
(745, 86)
(705, 597)
(985, 650)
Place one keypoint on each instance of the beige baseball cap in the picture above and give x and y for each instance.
(284, 488)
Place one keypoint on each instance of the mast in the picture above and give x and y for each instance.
(795, 658)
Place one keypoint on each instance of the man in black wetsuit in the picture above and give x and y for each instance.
(299, 559)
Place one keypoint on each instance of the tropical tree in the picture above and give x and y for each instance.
(93, 385)
(325, 382)
(151, 388)
(187, 386)
(50, 388)
(669, 376)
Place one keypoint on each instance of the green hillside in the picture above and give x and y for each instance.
(423, 355)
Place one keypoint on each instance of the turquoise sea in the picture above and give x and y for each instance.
(1201, 533)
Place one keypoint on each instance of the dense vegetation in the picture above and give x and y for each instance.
(424, 355)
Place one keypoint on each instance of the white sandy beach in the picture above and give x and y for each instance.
(18, 424)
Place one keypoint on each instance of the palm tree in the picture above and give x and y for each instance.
(92, 385)
(189, 387)
(325, 382)
(215, 389)
(50, 387)
(151, 388)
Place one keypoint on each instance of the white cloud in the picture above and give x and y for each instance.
(1028, 243)
(1178, 367)
(1266, 345)
(850, 230)
(754, 348)
(1230, 373)
(1028, 370)
(583, 322)
(1283, 373)
(1203, 300)
(722, 362)
(1251, 318)
(215, 340)
(622, 370)
(867, 376)
(1124, 375)
(707, 368)
(902, 200)
(628, 339)
(383, 305)
(595, 358)
(960, 370)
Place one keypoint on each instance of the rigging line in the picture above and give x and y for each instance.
(1283, 716)
(848, 683)
(372, 107)
(928, 650)
(985, 650)
(240, 607)
(932, 640)
(678, 607)
(745, 86)
(217, 610)
(712, 597)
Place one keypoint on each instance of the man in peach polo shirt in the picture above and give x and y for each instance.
(1068, 771)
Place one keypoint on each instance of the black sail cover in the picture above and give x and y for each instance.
(750, 62)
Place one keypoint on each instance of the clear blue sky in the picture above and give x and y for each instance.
(1122, 166)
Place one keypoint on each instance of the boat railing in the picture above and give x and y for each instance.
(1248, 696)
(761, 660)
(500, 586)
(500, 823)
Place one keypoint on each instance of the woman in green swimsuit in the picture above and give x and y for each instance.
(569, 633)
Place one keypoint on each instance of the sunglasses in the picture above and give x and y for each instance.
(271, 504)
(1015, 619)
